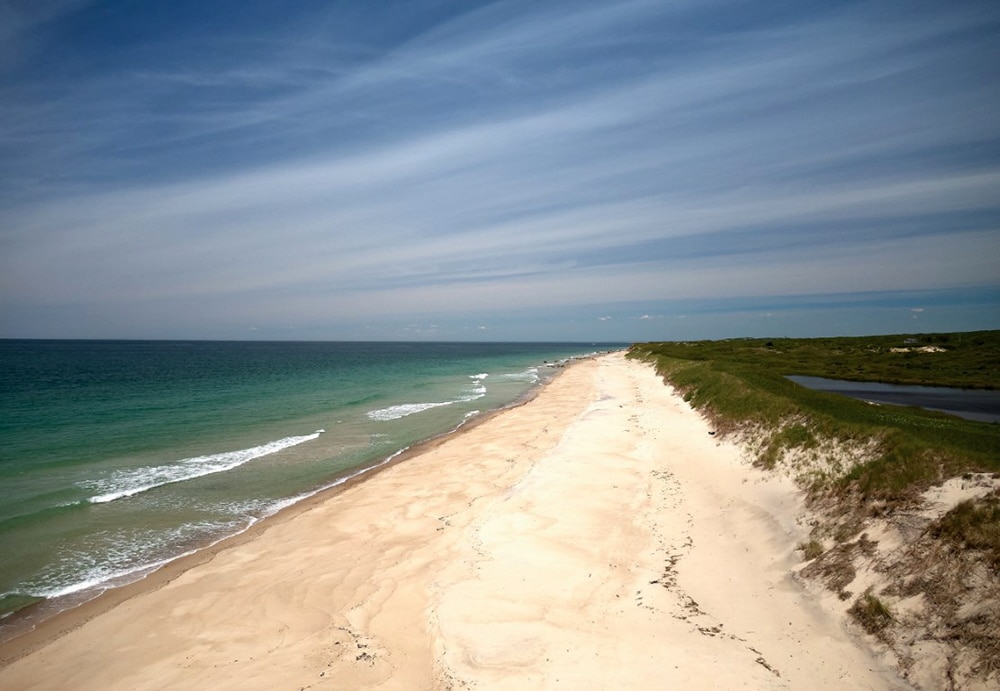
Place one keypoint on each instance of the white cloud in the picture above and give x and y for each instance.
(461, 170)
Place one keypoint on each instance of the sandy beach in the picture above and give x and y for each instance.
(596, 537)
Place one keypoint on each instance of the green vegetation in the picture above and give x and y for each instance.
(964, 360)
(740, 385)
(973, 524)
(871, 613)
(811, 549)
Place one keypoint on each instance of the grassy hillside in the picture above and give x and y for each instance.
(741, 385)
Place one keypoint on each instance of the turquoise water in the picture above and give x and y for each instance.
(116, 457)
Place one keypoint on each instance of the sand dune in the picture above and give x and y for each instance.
(596, 537)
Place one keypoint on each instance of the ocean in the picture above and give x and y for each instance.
(117, 457)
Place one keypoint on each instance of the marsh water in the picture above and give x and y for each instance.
(971, 404)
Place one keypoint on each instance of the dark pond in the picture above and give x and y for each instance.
(971, 404)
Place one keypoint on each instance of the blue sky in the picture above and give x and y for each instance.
(575, 170)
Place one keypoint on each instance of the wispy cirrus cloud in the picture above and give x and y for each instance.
(505, 157)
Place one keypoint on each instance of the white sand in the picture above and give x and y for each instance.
(595, 538)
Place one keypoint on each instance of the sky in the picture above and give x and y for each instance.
(621, 171)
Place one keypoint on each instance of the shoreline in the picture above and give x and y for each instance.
(30, 630)
(595, 535)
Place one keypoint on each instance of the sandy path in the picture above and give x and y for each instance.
(596, 537)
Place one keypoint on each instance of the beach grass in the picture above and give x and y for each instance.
(973, 524)
(811, 549)
(871, 613)
(741, 385)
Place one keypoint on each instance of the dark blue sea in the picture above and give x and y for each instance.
(117, 457)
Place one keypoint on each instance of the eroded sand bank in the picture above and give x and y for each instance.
(596, 537)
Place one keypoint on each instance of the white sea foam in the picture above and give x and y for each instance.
(397, 411)
(126, 563)
(529, 375)
(479, 388)
(100, 578)
(129, 482)
(123, 559)
(476, 393)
